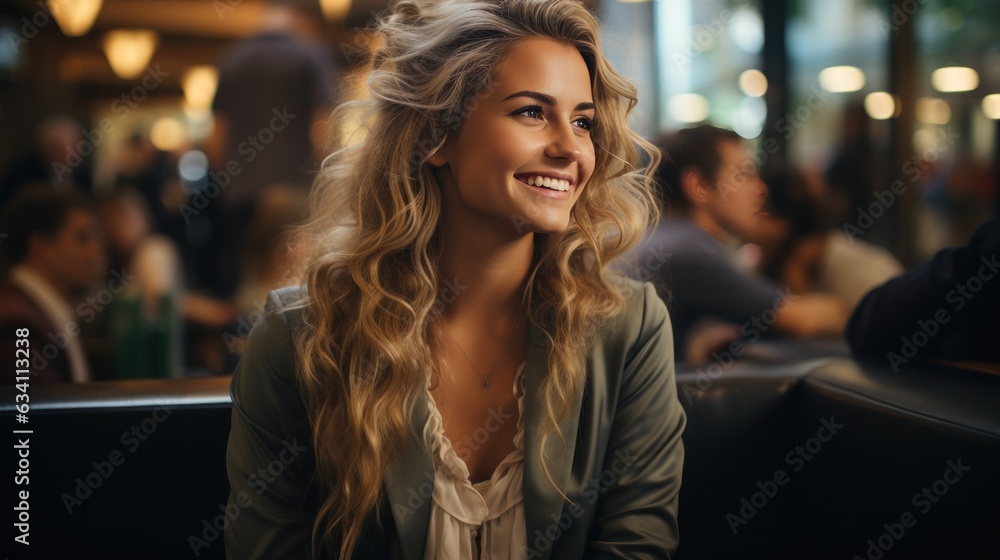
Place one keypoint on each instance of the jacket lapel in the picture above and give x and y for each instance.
(542, 503)
(410, 485)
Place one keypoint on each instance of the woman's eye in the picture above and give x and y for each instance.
(584, 123)
(530, 112)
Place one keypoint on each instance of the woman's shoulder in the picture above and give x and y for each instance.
(264, 379)
(643, 316)
(278, 325)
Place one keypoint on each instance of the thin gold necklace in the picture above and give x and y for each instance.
(486, 378)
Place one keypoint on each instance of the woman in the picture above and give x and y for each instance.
(464, 379)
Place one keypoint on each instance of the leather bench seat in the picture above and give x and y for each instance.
(136, 469)
(922, 442)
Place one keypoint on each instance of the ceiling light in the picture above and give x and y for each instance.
(842, 79)
(955, 78)
(129, 51)
(880, 105)
(74, 17)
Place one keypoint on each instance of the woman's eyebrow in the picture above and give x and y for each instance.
(547, 99)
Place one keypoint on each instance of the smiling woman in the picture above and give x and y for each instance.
(532, 152)
(472, 379)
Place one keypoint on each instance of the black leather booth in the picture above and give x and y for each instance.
(822, 458)
(861, 492)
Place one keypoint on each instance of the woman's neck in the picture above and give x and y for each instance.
(483, 274)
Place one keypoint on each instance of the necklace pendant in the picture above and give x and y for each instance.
(486, 384)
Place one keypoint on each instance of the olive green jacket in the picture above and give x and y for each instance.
(621, 464)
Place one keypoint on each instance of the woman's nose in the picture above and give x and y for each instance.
(564, 144)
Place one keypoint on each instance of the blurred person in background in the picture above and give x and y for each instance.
(714, 201)
(52, 254)
(144, 322)
(798, 250)
(134, 246)
(273, 90)
(272, 251)
(144, 169)
(944, 308)
(854, 170)
(271, 258)
(54, 160)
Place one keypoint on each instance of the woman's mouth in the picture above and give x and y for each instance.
(549, 186)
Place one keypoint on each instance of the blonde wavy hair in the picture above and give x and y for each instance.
(366, 352)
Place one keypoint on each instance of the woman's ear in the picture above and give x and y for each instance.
(437, 159)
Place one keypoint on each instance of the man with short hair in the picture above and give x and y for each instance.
(275, 92)
(713, 202)
(55, 251)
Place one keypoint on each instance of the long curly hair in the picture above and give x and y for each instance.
(366, 351)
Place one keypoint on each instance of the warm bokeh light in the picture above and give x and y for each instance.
(688, 108)
(880, 105)
(129, 51)
(932, 110)
(199, 83)
(74, 17)
(167, 134)
(923, 141)
(753, 83)
(991, 106)
(842, 79)
(955, 78)
(335, 10)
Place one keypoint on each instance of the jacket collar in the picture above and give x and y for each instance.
(410, 485)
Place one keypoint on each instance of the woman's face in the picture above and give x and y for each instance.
(524, 153)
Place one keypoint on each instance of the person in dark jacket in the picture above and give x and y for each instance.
(945, 308)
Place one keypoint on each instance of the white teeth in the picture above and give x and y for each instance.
(548, 182)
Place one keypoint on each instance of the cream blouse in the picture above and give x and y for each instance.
(483, 520)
